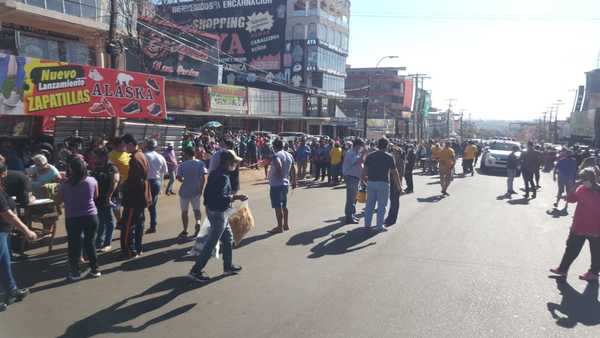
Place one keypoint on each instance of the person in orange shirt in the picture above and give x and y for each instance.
(470, 153)
(447, 161)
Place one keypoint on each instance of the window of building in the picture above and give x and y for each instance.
(81, 8)
(298, 32)
(54, 49)
(312, 31)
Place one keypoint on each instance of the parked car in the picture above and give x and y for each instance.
(289, 136)
(495, 155)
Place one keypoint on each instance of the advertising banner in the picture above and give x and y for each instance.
(579, 101)
(250, 31)
(178, 53)
(51, 88)
(228, 99)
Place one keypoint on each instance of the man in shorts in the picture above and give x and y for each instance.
(446, 162)
(192, 174)
(282, 173)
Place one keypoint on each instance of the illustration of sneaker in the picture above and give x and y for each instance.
(13, 99)
(153, 85)
(154, 109)
(109, 107)
(97, 108)
(132, 108)
(18, 109)
(95, 75)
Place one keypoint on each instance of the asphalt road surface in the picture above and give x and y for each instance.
(470, 265)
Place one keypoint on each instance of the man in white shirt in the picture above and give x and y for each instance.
(157, 168)
(281, 176)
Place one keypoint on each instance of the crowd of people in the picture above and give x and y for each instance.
(113, 183)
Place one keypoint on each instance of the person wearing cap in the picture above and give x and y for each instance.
(218, 197)
(192, 175)
(42, 173)
(566, 172)
(136, 198)
(585, 226)
(172, 163)
(157, 169)
(215, 160)
(352, 171)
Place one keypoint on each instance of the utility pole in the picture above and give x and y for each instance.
(113, 49)
(448, 114)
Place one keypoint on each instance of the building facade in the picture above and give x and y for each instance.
(390, 97)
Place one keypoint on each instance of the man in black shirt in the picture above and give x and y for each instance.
(378, 168)
(107, 176)
(409, 167)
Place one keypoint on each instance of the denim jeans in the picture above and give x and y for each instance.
(76, 226)
(377, 193)
(7, 280)
(155, 191)
(219, 231)
(106, 227)
(351, 191)
(171, 181)
(511, 173)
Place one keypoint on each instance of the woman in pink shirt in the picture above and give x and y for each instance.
(586, 225)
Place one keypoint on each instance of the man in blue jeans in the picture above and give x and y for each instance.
(379, 166)
(282, 173)
(352, 171)
(107, 176)
(157, 169)
(8, 221)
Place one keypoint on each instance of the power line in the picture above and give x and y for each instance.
(475, 18)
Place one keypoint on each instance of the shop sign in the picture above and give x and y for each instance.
(230, 99)
(50, 88)
(192, 61)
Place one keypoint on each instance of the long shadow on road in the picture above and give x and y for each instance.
(576, 308)
(110, 319)
(343, 243)
(309, 237)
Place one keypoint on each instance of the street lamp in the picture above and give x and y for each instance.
(365, 116)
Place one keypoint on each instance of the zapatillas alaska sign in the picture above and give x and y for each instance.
(251, 32)
(51, 88)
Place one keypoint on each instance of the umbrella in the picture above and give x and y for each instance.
(213, 124)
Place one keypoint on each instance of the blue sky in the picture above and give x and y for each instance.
(501, 59)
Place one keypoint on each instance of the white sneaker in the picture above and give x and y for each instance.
(13, 99)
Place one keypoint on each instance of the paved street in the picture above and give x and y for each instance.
(470, 265)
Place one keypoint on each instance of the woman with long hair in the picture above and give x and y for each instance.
(78, 193)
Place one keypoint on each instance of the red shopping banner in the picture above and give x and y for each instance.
(60, 89)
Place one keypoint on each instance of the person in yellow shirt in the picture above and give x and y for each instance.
(447, 161)
(435, 157)
(335, 156)
(469, 155)
(120, 158)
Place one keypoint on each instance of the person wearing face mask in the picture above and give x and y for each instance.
(8, 221)
(586, 225)
(218, 196)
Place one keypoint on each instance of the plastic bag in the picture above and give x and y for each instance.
(241, 221)
(361, 196)
(201, 240)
